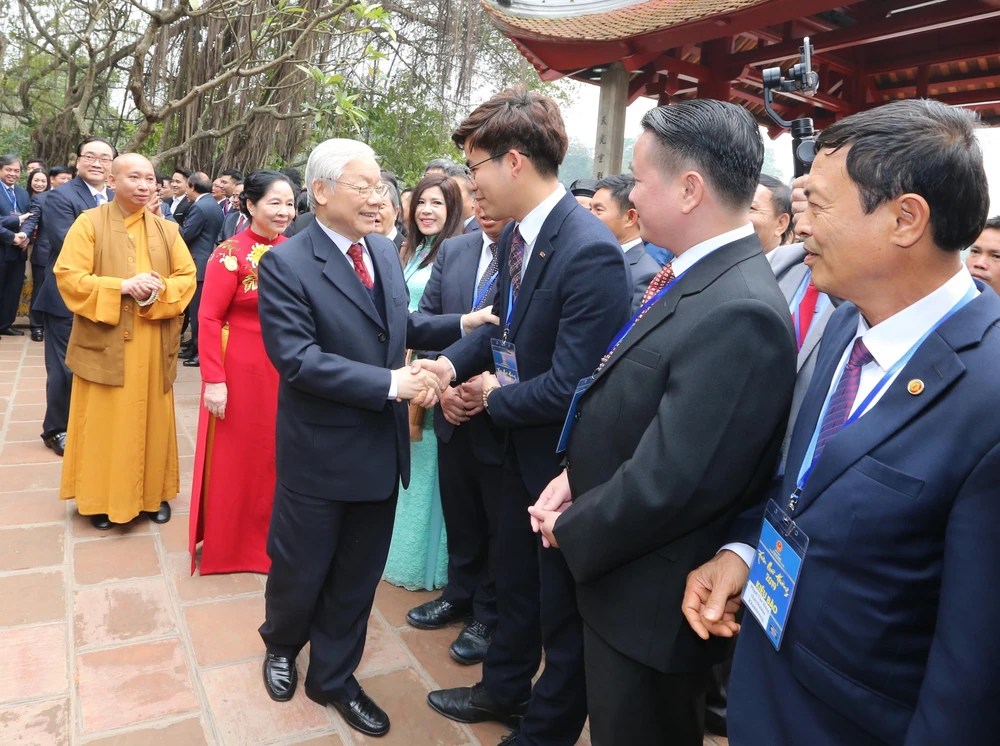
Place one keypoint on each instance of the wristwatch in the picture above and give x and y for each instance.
(486, 395)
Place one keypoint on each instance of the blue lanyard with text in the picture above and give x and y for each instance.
(510, 311)
(638, 314)
(805, 469)
(486, 290)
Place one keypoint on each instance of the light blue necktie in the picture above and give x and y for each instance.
(99, 198)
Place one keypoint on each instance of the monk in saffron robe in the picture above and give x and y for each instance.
(127, 276)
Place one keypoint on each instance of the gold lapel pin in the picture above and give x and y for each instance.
(915, 387)
(541, 253)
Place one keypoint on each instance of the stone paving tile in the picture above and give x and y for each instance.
(430, 647)
(27, 412)
(25, 548)
(36, 724)
(394, 602)
(114, 559)
(113, 614)
(34, 662)
(331, 739)
(30, 452)
(184, 733)
(226, 631)
(24, 431)
(129, 684)
(42, 506)
(382, 649)
(32, 598)
(22, 477)
(201, 588)
(174, 534)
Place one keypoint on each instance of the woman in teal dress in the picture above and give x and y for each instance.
(418, 555)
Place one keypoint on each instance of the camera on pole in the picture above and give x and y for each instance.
(803, 80)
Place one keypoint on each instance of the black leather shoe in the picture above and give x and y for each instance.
(472, 643)
(192, 363)
(56, 442)
(12, 332)
(361, 713)
(37, 335)
(510, 739)
(101, 522)
(160, 516)
(473, 704)
(280, 676)
(186, 353)
(436, 614)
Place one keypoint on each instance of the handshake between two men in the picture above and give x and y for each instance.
(426, 382)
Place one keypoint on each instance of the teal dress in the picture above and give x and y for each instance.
(418, 555)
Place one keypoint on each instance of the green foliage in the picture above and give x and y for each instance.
(578, 164)
(16, 140)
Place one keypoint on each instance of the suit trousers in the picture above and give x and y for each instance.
(11, 285)
(464, 482)
(35, 318)
(58, 378)
(536, 607)
(634, 705)
(327, 558)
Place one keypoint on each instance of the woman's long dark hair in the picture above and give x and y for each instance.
(32, 192)
(452, 224)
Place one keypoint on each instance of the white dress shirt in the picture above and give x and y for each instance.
(629, 245)
(392, 234)
(531, 226)
(102, 191)
(485, 257)
(888, 342)
(687, 259)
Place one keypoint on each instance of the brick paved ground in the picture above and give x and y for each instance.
(106, 639)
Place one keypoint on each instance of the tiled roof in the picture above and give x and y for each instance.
(621, 23)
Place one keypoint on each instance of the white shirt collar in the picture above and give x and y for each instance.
(631, 244)
(343, 243)
(889, 340)
(531, 226)
(696, 253)
(206, 194)
(392, 234)
(103, 192)
(486, 244)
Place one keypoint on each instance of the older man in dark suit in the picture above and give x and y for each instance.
(14, 201)
(33, 228)
(333, 306)
(200, 231)
(62, 207)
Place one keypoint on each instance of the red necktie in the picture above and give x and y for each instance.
(357, 256)
(806, 311)
(843, 397)
(241, 223)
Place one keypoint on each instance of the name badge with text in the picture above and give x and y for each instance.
(505, 360)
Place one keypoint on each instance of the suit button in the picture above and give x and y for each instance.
(382, 337)
(576, 416)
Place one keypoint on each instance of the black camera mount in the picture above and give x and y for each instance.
(803, 80)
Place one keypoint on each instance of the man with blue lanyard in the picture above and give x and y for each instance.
(869, 581)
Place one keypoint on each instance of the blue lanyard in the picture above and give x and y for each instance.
(805, 469)
(486, 290)
(12, 196)
(638, 314)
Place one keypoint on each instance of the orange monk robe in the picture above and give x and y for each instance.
(121, 445)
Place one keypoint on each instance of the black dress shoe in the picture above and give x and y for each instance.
(361, 713)
(510, 739)
(192, 363)
(472, 643)
(37, 335)
(280, 676)
(101, 522)
(186, 353)
(12, 332)
(473, 704)
(436, 614)
(57, 442)
(160, 516)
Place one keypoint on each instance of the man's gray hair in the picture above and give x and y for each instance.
(328, 159)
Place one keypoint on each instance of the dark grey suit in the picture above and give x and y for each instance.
(39, 256)
(201, 227)
(12, 259)
(643, 268)
(679, 433)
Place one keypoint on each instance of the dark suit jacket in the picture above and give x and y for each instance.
(338, 437)
(678, 434)
(22, 204)
(200, 230)
(33, 227)
(890, 639)
(643, 268)
(574, 297)
(10, 226)
(178, 210)
(63, 206)
(228, 229)
(450, 289)
(473, 227)
(301, 222)
(398, 239)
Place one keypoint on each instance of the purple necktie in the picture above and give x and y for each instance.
(844, 396)
(515, 261)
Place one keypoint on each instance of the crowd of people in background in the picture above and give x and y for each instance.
(567, 407)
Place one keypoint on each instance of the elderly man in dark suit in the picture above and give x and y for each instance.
(333, 306)
(14, 200)
(62, 207)
(200, 231)
(563, 292)
(893, 465)
(470, 450)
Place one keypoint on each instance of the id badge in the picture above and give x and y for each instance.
(505, 361)
(567, 428)
(770, 588)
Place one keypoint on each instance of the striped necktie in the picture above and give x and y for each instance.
(484, 282)
(843, 398)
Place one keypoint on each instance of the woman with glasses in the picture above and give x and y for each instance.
(234, 475)
(418, 555)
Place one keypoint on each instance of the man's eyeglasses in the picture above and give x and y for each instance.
(470, 171)
(366, 191)
(90, 158)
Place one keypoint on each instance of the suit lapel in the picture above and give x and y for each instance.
(338, 270)
(814, 335)
(381, 259)
(468, 266)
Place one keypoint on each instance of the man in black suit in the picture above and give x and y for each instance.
(611, 203)
(14, 201)
(234, 223)
(563, 292)
(180, 203)
(33, 228)
(679, 429)
(62, 207)
(470, 450)
(333, 307)
(200, 230)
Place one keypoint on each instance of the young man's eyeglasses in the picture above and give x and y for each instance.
(366, 191)
(470, 171)
(91, 157)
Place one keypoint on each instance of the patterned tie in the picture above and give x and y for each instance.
(515, 261)
(662, 278)
(241, 222)
(13, 200)
(843, 398)
(357, 256)
(484, 282)
(806, 311)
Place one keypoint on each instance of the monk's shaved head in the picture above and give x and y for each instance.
(130, 161)
(134, 181)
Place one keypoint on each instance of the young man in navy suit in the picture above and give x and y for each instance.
(62, 207)
(893, 465)
(564, 291)
(14, 201)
